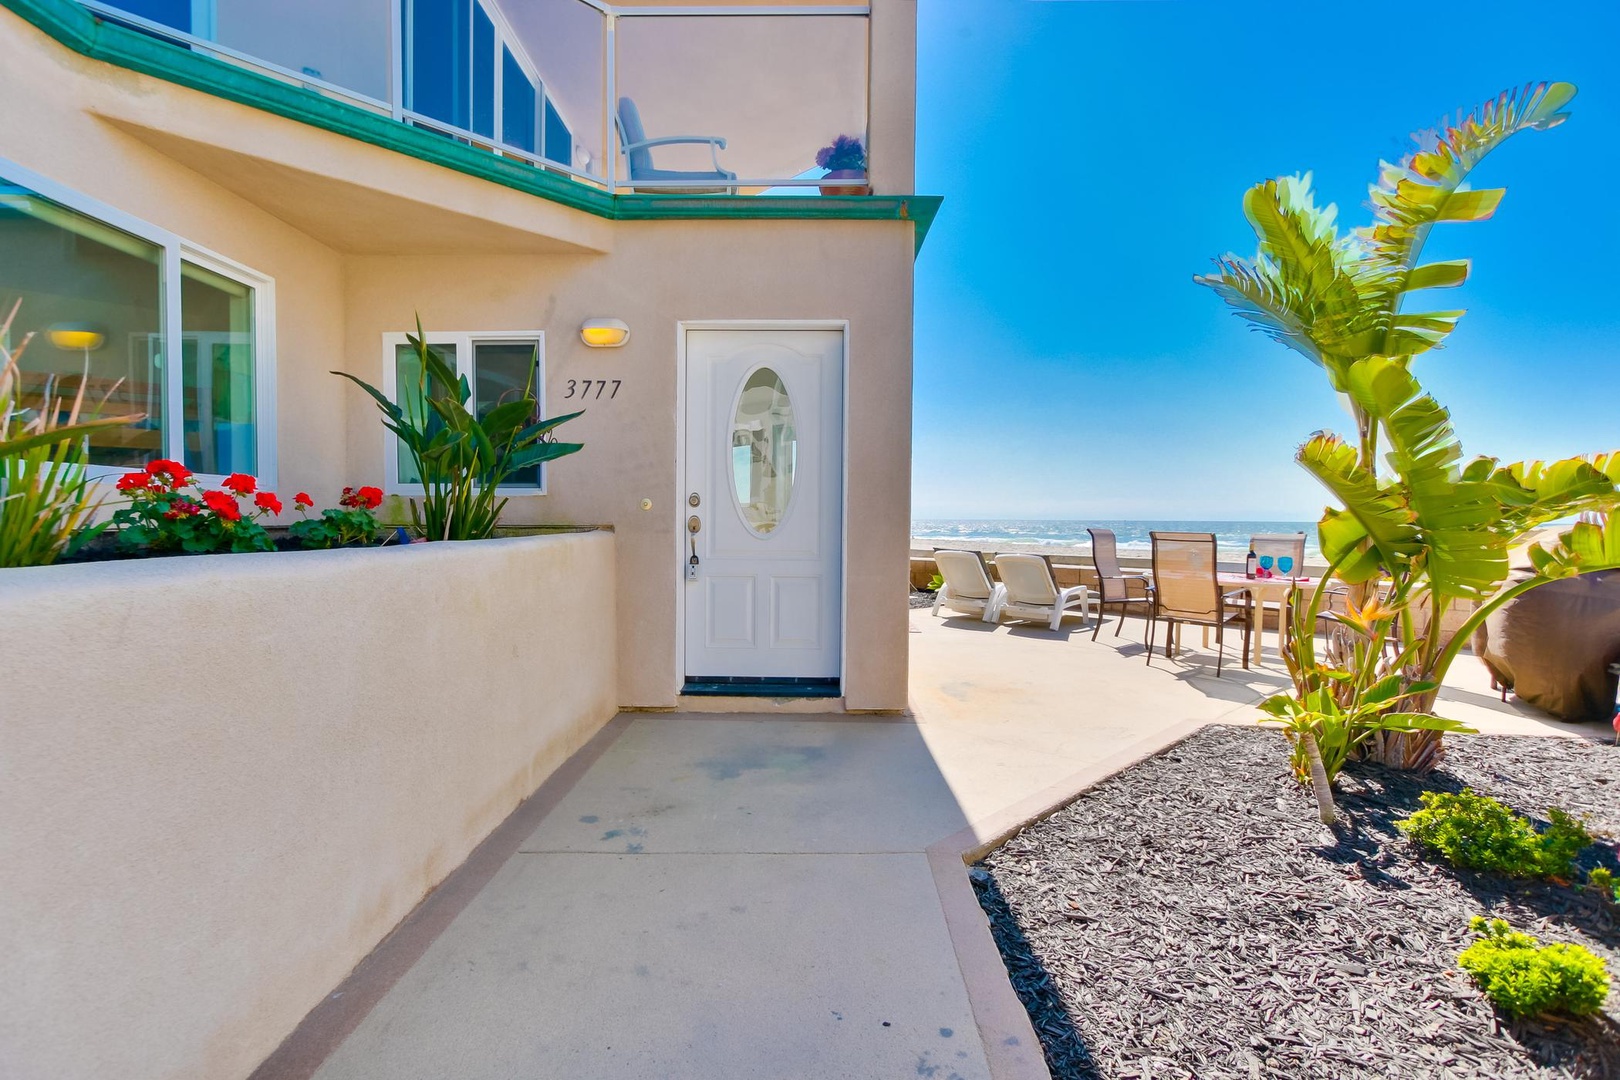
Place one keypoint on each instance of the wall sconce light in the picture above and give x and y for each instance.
(604, 333)
(75, 337)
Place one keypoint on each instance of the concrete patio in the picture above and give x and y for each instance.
(776, 896)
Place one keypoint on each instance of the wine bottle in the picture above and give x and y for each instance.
(1250, 563)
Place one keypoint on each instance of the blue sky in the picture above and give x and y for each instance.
(1093, 155)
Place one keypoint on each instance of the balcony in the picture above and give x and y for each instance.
(632, 97)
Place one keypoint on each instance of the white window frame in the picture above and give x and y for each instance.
(464, 342)
(177, 250)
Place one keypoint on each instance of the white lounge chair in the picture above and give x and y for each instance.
(968, 589)
(1033, 593)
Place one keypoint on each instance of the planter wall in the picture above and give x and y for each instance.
(224, 778)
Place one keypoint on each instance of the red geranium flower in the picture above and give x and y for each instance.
(266, 500)
(241, 483)
(371, 497)
(223, 505)
(177, 473)
(180, 508)
(135, 481)
(302, 500)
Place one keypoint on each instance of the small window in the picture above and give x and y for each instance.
(91, 287)
(498, 367)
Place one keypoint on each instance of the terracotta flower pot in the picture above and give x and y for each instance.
(844, 189)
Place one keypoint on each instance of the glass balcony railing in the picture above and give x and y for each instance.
(630, 97)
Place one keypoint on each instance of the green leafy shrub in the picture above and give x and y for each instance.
(1475, 832)
(1525, 978)
(935, 583)
(1603, 881)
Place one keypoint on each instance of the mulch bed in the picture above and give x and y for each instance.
(1190, 917)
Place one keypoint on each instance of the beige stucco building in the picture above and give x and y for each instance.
(293, 192)
(224, 779)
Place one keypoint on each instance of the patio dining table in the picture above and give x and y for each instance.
(1279, 590)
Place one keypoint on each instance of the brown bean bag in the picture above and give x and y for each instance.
(1553, 645)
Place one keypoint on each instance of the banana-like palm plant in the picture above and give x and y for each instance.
(1435, 530)
(1338, 299)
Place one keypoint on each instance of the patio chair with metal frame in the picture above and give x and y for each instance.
(1115, 587)
(1276, 547)
(637, 149)
(1186, 590)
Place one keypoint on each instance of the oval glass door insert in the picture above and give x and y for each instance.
(764, 451)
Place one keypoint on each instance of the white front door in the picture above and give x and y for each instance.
(764, 487)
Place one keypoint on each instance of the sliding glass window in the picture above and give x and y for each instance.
(94, 293)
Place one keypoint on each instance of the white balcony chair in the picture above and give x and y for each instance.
(638, 157)
(968, 589)
(1033, 593)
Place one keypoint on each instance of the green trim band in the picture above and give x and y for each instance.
(76, 27)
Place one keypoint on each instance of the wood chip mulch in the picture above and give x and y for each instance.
(1190, 918)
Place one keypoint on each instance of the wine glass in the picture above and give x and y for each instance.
(1285, 563)
(1265, 564)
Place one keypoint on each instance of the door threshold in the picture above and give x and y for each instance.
(749, 686)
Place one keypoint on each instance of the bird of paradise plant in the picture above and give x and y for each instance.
(47, 498)
(1431, 530)
(461, 456)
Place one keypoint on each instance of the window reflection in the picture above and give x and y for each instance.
(101, 291)
(216, 349)
(764, 451)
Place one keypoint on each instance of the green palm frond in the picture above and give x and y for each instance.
(1583, 548)
(1255, 293)
(1300, 288)
(1456, 511)
(1376, 531)
(1427, 187)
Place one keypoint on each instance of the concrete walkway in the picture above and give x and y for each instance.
(755, 897)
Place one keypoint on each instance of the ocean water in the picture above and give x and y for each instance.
(1231, 537)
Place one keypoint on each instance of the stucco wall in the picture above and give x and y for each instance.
(224, 778)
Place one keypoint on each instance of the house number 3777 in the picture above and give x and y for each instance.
(592, 388)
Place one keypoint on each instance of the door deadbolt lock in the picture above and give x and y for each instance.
(693, 500)
(693, 525)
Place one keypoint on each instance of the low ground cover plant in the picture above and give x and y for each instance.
(1523, 977)
(170, 511)
(1603, 881)
(352, 521)
(1476, 832)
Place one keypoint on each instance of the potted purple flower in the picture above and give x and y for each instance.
(845, 159)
